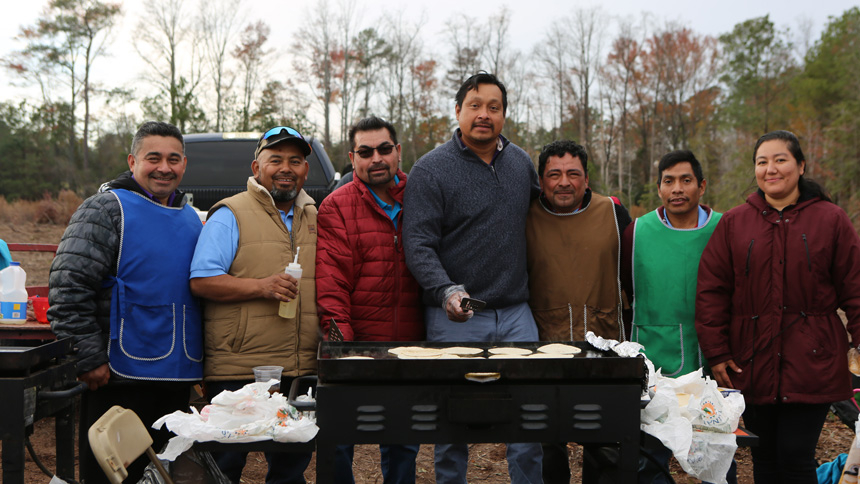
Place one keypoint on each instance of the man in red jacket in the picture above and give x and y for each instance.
(362, 279)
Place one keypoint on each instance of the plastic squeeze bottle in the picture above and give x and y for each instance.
(288, 309)
(13, 299)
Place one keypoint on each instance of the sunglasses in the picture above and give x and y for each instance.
(278, 130)
(367, 152)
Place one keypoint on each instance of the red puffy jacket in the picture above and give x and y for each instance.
(361, 275)
(769, 285)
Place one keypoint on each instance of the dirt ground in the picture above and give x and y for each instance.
(487, 461)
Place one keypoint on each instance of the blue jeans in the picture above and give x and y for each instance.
(283, 467)
(397, 463)
(512, 323)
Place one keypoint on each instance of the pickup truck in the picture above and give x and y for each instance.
(219, 165)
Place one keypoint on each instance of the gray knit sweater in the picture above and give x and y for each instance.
(464, 223)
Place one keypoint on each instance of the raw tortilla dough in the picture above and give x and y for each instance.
(559, 348)
(509, 351)
(356, 357)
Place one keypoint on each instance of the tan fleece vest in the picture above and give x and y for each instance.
(573, 271)
(242, 335)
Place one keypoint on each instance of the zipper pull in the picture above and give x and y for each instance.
(395, 244)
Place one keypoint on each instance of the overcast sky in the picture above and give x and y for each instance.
(529, 19)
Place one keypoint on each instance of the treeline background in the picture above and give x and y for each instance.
(630, 91)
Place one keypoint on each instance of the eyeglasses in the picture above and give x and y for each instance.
(278, 130)
(367, 152)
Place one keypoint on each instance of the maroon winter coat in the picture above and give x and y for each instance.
(769, 285)
(362, 279)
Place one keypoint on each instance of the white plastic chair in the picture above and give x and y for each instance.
(117, 439)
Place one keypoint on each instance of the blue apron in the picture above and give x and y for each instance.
(156, 330)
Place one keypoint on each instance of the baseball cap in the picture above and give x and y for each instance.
(279, 134)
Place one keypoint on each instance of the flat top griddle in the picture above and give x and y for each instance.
(590, 365)
(20, 358)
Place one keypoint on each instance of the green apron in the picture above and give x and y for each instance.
(665, 266)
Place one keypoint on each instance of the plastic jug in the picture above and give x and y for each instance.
(13, 299)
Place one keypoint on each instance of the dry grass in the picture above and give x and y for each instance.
(48, 210)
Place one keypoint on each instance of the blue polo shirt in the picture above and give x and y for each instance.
(213, 256)
(390, 210)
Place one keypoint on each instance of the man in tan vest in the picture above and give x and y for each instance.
(238, 268)
(573, 240)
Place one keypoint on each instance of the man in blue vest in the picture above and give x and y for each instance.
(119, 287)
(660, 262)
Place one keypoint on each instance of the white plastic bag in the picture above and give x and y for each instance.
(249, 414)
(698, 431)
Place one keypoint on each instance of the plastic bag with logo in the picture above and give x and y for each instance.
(691, 417)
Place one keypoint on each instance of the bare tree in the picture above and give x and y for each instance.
(164, 30)
(314, 44)
(467, 40)
(372, 53)
(346, 21)
(618, 76)
(496, 56)
(587, 28)
(406, 48)
(553, 55)
(219, 20)
(251, 54)
(68, 37)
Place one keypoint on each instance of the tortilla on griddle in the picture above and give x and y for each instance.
(559, 348)
(419, 353)
(506, 356)
(509, 350)
(461, 351)
(399, 349)
(356, 357)
(550, 355)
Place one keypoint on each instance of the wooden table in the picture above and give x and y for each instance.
(31, 331)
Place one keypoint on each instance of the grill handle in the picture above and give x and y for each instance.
(308, 380)
(78, 388)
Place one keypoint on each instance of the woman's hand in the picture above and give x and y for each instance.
(722, 375)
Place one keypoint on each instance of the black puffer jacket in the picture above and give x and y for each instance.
(87, 255)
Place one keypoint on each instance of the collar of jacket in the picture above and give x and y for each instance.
(583, 206)
(262, 194)
(757, 201)
(396, 191)
(126, 182)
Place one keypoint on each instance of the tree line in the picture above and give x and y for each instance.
(629, 91)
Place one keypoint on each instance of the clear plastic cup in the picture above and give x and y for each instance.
(266, 373)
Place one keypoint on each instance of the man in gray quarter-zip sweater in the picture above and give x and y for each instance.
(464, 235)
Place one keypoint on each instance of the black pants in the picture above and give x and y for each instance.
(283, 467)
(788, 434)
(150, 401)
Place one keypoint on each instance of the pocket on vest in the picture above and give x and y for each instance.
(554, 324)
(148, 332)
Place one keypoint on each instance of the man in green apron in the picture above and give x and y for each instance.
(660, 263)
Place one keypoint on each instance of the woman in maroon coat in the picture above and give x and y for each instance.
(770, 281)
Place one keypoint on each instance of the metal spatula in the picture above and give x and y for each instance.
(334, 333)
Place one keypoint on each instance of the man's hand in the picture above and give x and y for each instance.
(96, 378)
(282, 287)
(722, 375)
(453, 309)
